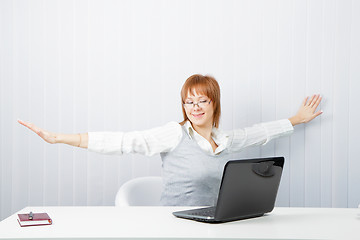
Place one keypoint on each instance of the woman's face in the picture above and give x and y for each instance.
(199, 110)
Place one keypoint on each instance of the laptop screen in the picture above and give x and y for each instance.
(249, 187)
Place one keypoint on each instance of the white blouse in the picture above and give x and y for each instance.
(167, 137)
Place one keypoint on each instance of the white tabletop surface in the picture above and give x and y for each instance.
(159, 223)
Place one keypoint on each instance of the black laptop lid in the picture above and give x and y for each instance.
(249, 187)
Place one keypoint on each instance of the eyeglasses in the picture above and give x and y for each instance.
(200, 104)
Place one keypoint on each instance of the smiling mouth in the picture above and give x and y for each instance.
(198, 115)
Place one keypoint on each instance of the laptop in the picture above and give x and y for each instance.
(248, 189)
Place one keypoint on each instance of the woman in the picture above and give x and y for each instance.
(194, 151)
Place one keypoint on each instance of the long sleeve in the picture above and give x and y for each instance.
(259, 134)
(148, 142)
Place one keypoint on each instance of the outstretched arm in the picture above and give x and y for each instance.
(76, 140)
(306, 112)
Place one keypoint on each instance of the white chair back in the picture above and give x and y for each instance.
(143, 191)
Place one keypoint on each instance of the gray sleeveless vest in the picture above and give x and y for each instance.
(191, 177)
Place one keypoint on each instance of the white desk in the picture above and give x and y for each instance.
(159, 223)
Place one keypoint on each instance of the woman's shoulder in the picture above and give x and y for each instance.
(169, 134)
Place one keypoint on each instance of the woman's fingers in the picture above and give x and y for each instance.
(314, 116)
(47, 136)
(317, 102)
(318, 113)
(31, 126)
(26, 124)
(311, 100)
(23, 123)
(305, 101)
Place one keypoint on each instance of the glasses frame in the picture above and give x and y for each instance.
(192, 105)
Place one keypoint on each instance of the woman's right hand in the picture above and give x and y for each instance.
(46, 135)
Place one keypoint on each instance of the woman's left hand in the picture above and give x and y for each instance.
(306, 112)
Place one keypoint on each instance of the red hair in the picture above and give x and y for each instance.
(205, 85)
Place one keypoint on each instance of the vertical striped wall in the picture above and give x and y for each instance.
(76, 66)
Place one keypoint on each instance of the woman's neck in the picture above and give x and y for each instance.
(204, 131)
